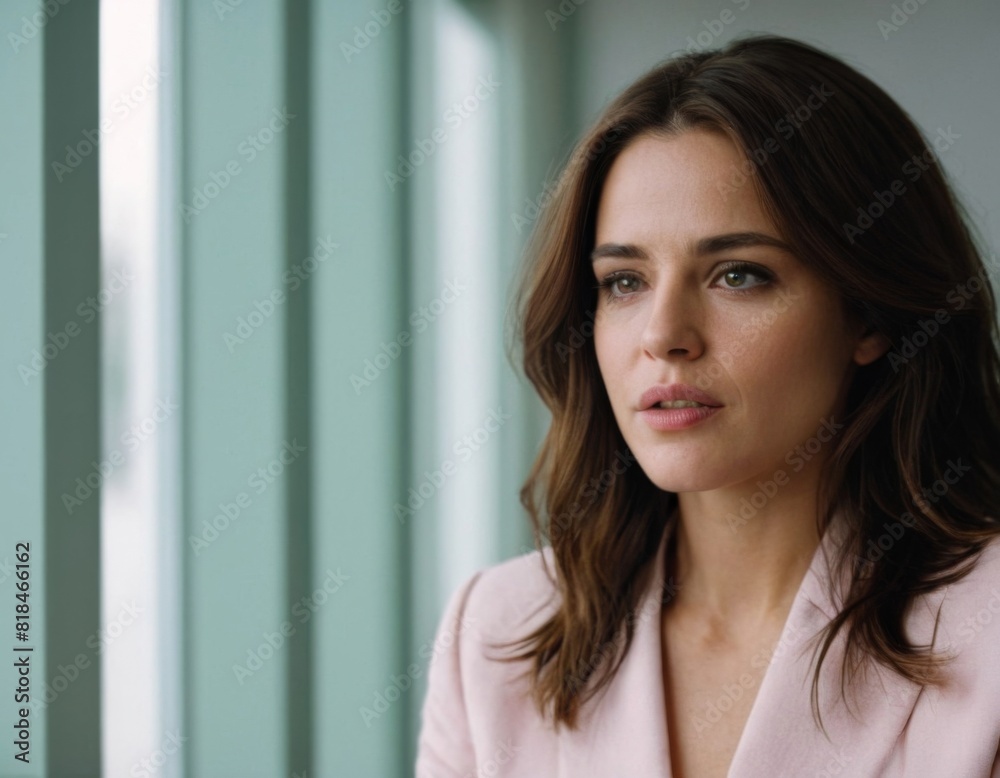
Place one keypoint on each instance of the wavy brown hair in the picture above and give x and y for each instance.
(823, 147)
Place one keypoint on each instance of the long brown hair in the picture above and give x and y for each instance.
(853, 185)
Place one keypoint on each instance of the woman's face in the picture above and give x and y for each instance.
(745, 322)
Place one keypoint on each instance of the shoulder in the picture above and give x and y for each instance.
(501, 602)
(512, 595)
(473, 702)
(485, 622)
(505, 600)
(970, 607)
(962, 621)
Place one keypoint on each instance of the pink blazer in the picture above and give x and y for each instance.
(477, 720)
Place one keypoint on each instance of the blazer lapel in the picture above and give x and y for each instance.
(781, 737)
(623, 730)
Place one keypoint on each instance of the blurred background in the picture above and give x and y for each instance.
(259, 419)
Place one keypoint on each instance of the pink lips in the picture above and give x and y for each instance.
(667, 419)
(658, 394)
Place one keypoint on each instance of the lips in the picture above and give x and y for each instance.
(657, 394)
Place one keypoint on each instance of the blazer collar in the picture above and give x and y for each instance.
(623, 729)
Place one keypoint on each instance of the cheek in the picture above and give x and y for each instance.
(795, 357)
(813, 344)
(617, 333)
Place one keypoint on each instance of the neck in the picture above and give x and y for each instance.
(740, 571)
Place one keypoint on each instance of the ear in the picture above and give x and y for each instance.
(870, 346)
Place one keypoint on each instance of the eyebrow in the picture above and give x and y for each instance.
(714, 244)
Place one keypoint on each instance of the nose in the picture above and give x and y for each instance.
(674, 327)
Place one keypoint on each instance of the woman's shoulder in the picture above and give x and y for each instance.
(958, 717)
(476, 707)
(496, 603)
(511, 595)
(970, 607)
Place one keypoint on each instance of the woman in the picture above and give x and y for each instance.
(768, 342)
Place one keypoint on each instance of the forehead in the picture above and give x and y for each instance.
(677, 187)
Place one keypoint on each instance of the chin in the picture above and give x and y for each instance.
(677, 474)
(670, 483)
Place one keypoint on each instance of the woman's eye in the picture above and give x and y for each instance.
(734, 277)
(738, 277)
(619, 285)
